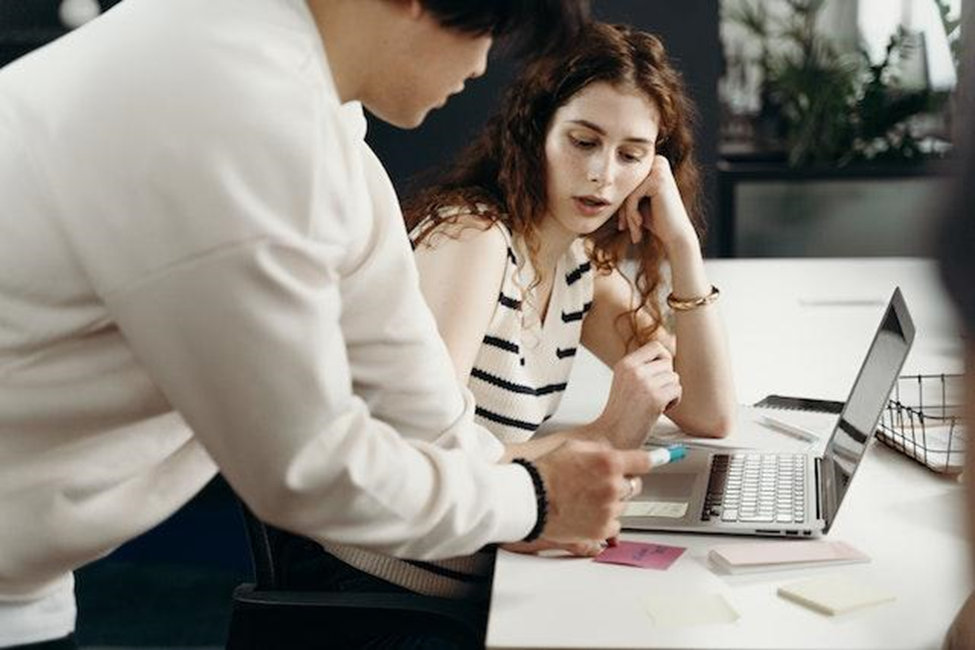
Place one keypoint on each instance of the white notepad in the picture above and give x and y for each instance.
(751, 432)
(835, 594)
(768, 555)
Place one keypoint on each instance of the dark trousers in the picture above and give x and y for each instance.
(303, 565)
(67, 643)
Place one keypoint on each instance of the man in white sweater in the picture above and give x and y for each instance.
(203, 268)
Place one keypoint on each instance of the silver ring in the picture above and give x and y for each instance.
(630, 488)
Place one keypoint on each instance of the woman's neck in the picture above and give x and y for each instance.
(554, 241)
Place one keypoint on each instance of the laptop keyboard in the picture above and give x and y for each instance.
(756, 488)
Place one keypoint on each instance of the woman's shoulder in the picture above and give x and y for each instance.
(466, 220)
(463, 248)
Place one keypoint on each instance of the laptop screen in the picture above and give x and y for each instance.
(863, 408)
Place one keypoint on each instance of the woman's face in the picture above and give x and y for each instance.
(599, 148)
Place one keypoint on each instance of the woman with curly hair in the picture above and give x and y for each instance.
(522, 247)
(520, 251)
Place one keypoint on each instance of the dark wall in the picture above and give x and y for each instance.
(689, 29)
(28, 24)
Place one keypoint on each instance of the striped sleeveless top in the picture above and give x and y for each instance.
(523, 365)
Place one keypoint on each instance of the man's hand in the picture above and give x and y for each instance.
(586, 484)
(578, 549)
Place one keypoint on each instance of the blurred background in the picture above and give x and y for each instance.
(827, 129)
(837, 118)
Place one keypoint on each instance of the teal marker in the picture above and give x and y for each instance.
(664, 455)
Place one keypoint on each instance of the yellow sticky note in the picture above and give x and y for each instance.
(835, 594)
(676, 609)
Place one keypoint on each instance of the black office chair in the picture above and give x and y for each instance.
(267, 617)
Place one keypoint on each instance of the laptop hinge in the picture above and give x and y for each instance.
(820, 496)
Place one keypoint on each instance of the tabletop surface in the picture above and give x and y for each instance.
(795, 327)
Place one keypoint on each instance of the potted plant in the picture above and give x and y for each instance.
(827, 108)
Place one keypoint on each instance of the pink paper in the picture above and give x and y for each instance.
(639, 554)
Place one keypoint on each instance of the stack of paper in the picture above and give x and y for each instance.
(754, 557)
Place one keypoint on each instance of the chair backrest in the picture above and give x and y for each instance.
(267, 616)
(265, 576)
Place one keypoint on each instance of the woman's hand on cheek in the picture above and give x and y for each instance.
(656, 205)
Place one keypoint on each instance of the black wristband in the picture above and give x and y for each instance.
(541, 499)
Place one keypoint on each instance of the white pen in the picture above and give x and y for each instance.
(663, 455)
(789, 429)
(841, 302)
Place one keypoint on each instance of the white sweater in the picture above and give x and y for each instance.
(202, 265)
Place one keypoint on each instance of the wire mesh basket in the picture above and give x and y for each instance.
(923, 421)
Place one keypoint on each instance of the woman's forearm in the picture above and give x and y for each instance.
(708, 403)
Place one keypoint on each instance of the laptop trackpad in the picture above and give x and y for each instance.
(668, 487)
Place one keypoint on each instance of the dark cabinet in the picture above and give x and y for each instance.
(772, 210)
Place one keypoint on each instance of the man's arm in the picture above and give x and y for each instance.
(245, 343)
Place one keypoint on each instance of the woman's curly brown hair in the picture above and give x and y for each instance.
(505, 167)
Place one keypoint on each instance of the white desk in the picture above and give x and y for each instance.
(909, 520)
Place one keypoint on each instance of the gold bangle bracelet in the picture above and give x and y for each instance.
(687, 304)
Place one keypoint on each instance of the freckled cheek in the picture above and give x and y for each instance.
(565, 171)
(575, 168)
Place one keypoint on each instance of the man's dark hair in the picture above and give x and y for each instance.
(535, 25)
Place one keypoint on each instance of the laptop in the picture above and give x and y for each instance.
(754, 492)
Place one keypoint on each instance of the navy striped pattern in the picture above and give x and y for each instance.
(522, 369)
(568, 317)
(509, 302)
(576, 275)
(501, 343)
(522, 366)
(512, 387)
(497, 418)
(566, 353)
